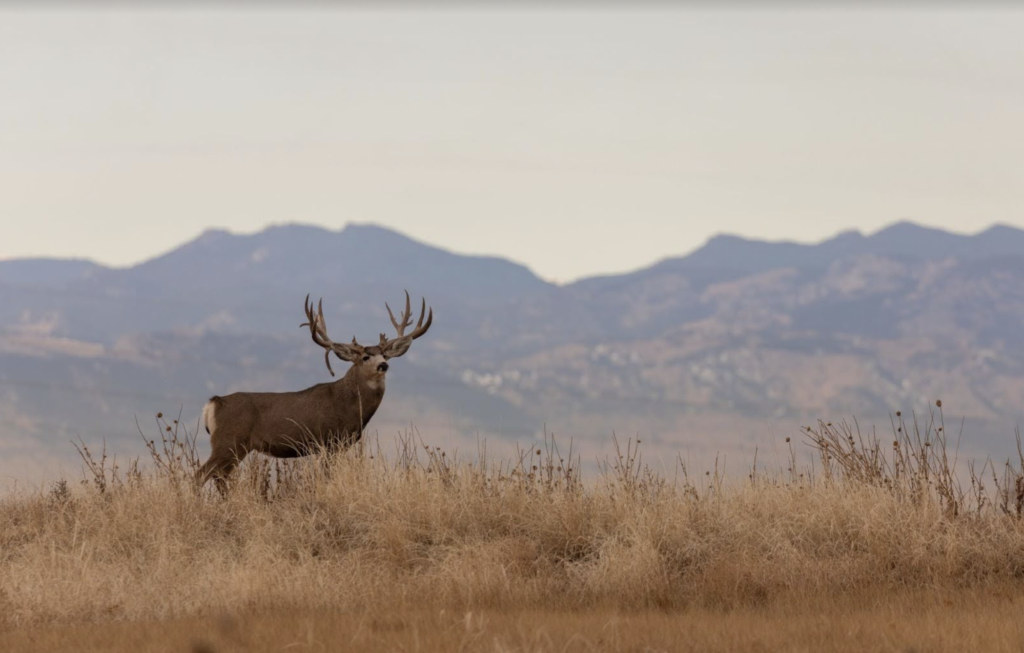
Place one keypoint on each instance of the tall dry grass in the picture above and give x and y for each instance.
(406, 527)
(901, 623)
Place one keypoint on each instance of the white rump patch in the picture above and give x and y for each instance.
(210, 417)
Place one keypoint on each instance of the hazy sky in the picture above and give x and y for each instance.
(575, 141)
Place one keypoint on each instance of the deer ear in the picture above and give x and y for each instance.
(346, 353)
(397, 347)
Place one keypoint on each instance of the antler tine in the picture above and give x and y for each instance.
(305, 307)
(423, 310)
(420, 330)
(406, 321)
(392, 316)
(420, 327)
(317, 327)
(406, 316)
(318, 330)
(321, 323)
(309, 313)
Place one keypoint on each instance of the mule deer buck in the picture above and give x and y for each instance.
(328, 416)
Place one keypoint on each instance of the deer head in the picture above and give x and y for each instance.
(371, 361)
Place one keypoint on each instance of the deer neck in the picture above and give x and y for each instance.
(369, 390)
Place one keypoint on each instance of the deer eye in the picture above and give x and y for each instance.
(366, 358)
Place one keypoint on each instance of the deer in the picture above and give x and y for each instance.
(325, 417)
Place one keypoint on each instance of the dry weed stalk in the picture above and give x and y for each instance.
(409, 523)
(918, 466)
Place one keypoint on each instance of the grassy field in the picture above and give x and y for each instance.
(960, 621)
(881, 547)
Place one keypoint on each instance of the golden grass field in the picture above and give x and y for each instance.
(882, 547)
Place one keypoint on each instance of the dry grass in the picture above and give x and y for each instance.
(966, 621)
(878, 534)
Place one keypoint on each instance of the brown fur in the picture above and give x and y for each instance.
(290, 424)
(326, 416)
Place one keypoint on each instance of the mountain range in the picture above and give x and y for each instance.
(700, 353)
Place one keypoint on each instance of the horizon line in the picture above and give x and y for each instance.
(595, 275)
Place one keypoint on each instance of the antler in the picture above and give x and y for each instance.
(407, 319)
(318, 330)
(390, 348)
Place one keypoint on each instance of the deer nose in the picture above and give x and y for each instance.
(383, 367)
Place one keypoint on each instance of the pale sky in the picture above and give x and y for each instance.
(575, 141)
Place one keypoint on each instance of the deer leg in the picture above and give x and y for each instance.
(219, 467)
(222, 472)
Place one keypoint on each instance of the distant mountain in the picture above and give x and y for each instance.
(256, 283)
(903, 240)
(703, 349)
(651, 299)
(359, 256)
(45, 273)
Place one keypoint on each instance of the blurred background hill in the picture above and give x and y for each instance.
(718, 350)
